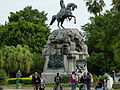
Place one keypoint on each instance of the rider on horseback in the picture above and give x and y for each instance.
(65, 13)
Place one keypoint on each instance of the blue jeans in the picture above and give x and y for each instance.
(103, 88)
(73, 84)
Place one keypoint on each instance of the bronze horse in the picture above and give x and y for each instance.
(65, 13)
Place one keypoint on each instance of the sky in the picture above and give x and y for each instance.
(51, 7)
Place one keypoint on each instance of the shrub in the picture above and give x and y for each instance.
(24, 81)
(3, 77)
(95, 78)
(116, 86)
(103, 77)
(65, 78)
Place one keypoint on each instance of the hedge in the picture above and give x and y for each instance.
(116, 86)
(22, 80)
(3, 77)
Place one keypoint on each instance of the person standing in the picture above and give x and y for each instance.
(88, 81)
(18, 75)
(57, 81)
(42, 87)
(77, 80)
(73, 80)
(83, 80)
(36, 81)
(109, 81)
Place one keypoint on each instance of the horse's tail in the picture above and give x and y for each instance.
(53, 19)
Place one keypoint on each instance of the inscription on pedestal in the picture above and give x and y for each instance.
(56, 62)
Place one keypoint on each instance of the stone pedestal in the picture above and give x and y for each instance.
(64, 50)
(54, 64)
(71, 64)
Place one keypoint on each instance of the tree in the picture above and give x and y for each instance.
(26, 27)
(95, 7)
(97, 62)
(103, 37)
(15, 58)
(38, 65)
(116, 5)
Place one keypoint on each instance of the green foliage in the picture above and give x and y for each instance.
(95, 78)
(24, 81)
(38, 64)
(103, 35)
(95, 6)
(3, 76)
(26, 27)
(116, 5)
(116, 86)
(97, 61)
(65, 78)
(18, 57)
(29, 15)
(104, 77)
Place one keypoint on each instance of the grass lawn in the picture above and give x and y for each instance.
(47, 85)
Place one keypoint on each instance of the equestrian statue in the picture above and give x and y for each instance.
(65, 13)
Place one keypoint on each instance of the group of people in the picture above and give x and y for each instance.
(84, 80)
(38, 82)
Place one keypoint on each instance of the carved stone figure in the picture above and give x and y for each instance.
(63, 41)
(65, 13)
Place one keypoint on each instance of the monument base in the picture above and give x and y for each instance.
(65, 52)
(49, 76)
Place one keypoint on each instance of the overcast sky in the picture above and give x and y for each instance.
(49, 6)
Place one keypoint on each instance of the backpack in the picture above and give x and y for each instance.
(57, 79)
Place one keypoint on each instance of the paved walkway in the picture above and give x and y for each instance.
(11, 88)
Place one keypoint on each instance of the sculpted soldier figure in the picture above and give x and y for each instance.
(62, 4)
(62, 10)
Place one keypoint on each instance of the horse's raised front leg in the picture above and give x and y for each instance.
(74, 18)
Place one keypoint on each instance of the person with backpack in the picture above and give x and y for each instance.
(73, 80)
(57, 81)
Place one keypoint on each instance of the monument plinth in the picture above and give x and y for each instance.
(65, 49)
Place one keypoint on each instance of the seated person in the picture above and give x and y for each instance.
(100, 85)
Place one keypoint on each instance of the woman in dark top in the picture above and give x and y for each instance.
(36, 81)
